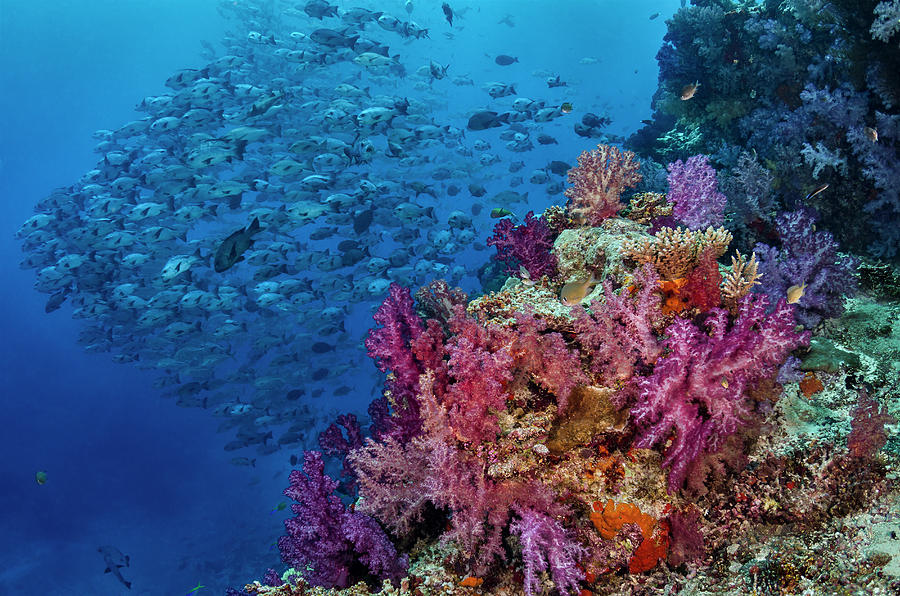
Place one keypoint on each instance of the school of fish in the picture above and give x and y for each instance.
(224, 237)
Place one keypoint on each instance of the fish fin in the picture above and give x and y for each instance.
(127, 584)
(254, 226)
(127, 560)
(107, 570)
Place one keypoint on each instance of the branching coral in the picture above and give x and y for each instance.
(675, 252)
(598, 182)
(740, 279)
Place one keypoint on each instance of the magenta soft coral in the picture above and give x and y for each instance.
(526, 245)
(598, 182)
(479, 369)
(697, 389)
(405, 346)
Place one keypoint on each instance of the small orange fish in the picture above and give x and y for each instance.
(688, 91)
(574, 292)
(471, 582)
(795, 293)
(871, 134)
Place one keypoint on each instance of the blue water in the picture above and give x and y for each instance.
(126, 468)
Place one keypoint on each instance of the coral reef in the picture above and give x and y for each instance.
(791, 96)
(643, 439)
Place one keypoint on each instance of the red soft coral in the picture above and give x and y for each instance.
(479, 368)
(598, 181)
(546, 358)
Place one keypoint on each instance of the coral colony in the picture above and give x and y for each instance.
(633, 441)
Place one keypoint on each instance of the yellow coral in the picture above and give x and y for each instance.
(742, 277)
(675, 252)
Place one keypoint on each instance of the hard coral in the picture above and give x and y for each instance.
(675, 252)
(598, 182)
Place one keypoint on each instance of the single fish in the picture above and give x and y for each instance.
(504, 60)
(41, 477)
(448, 13)
(195, 590)
(498, 212)
(816, 191)
(574, 292)
(282, 505)
(688, 91)
(233, 247)
(114, 560)
(795, 293)
(871, 134)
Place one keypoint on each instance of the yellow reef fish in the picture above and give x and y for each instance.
(795, 293)
(574, 292)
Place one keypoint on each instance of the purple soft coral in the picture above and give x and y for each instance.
(807, 256)
(546, 546)
(698, 387)
(333, 443)
(527, 245)
(406, 347)
(314, 536)
(324, 540)
(694, 190)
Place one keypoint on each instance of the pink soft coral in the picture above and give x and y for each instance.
(544, 356)
(546, 545)
(598, 181)
(697, 389)
(618, 334)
